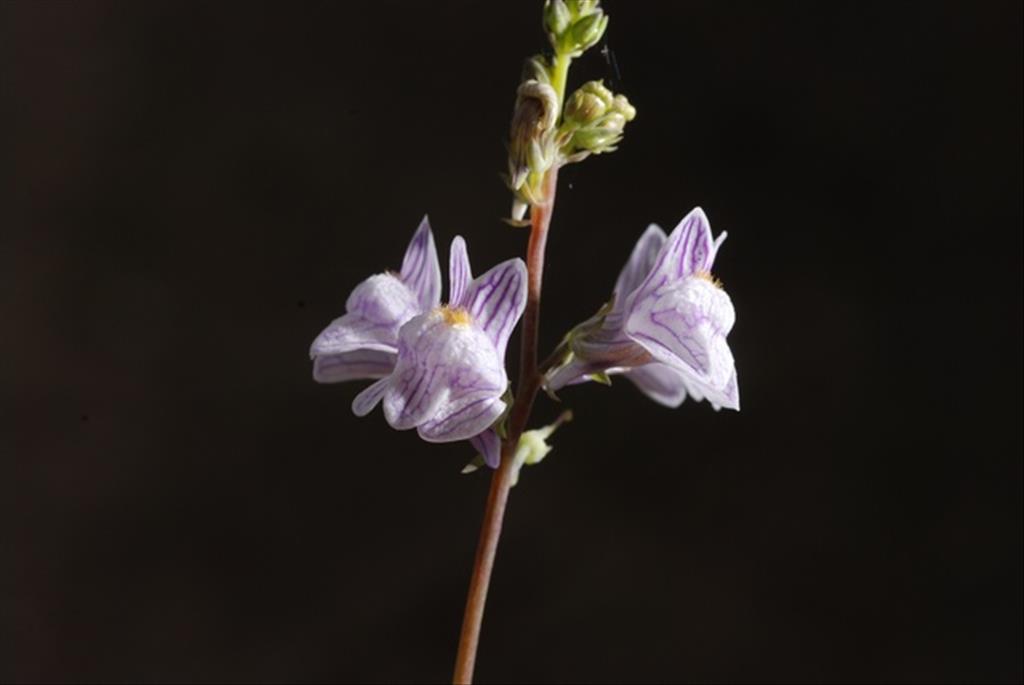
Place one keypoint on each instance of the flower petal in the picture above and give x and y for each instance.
(687, 250)
(684, 325)
(678, 323)
(376, 309)
(662, 383)
(496, 300)
(573, 373)
(640, 263)
(459, 271)
(365, 401)
(444, 375)
(421, 271)
(464, 416)
(488, 444)
(354, 365)
(729, 397)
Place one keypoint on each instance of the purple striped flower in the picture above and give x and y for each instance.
(449, 377)
(363, 344)
(666, 326)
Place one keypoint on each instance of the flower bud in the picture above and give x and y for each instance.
(613, 121)
(622, 106)
(556, 17)
(581, 8)
(595, 140)
(584, 108)
(533, 445)
(588, 30)
(574, 25)
(595, 119)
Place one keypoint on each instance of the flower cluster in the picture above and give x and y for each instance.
(439, 368)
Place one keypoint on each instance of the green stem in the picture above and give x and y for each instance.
(559, 77)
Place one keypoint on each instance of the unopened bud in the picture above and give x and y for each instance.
(533, 445)
(613, 121)
(595, 139)
(622, 106)
(600, 90)
(556, 17)
(584, 108)
(595, 120)
(588, 30)
(581, 8)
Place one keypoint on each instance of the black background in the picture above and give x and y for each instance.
(193, 190)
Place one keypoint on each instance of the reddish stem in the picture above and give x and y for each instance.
(501, 482)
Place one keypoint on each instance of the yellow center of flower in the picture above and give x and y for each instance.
(706, 276)
(455, 316)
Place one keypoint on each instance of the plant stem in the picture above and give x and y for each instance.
(501, 482)
(559, 77)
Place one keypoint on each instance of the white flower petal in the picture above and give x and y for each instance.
(421, 271)
(687, 250)
(488, 444)
(354, 365)
(459, 271)
(376, 310)
(442, 368)
(684, 325)
(639, 264)
(365, 401)
(573, 373)
(496, 300)
(662, 383)
(463, 416)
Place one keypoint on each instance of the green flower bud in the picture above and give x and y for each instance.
(596, 139)
(590, 102)
(622, 106)
(533, 445)
(556, 17)
(588, 30)
(613, 121)
(584, 108)
(598, 88)
(595, 119)
(581, 8)
(532, 448)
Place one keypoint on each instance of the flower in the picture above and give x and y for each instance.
(363, 343)
(449, 377)
(666, 326)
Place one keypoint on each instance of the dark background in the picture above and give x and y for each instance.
(193, 190)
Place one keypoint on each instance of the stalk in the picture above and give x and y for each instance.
(501, 482)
